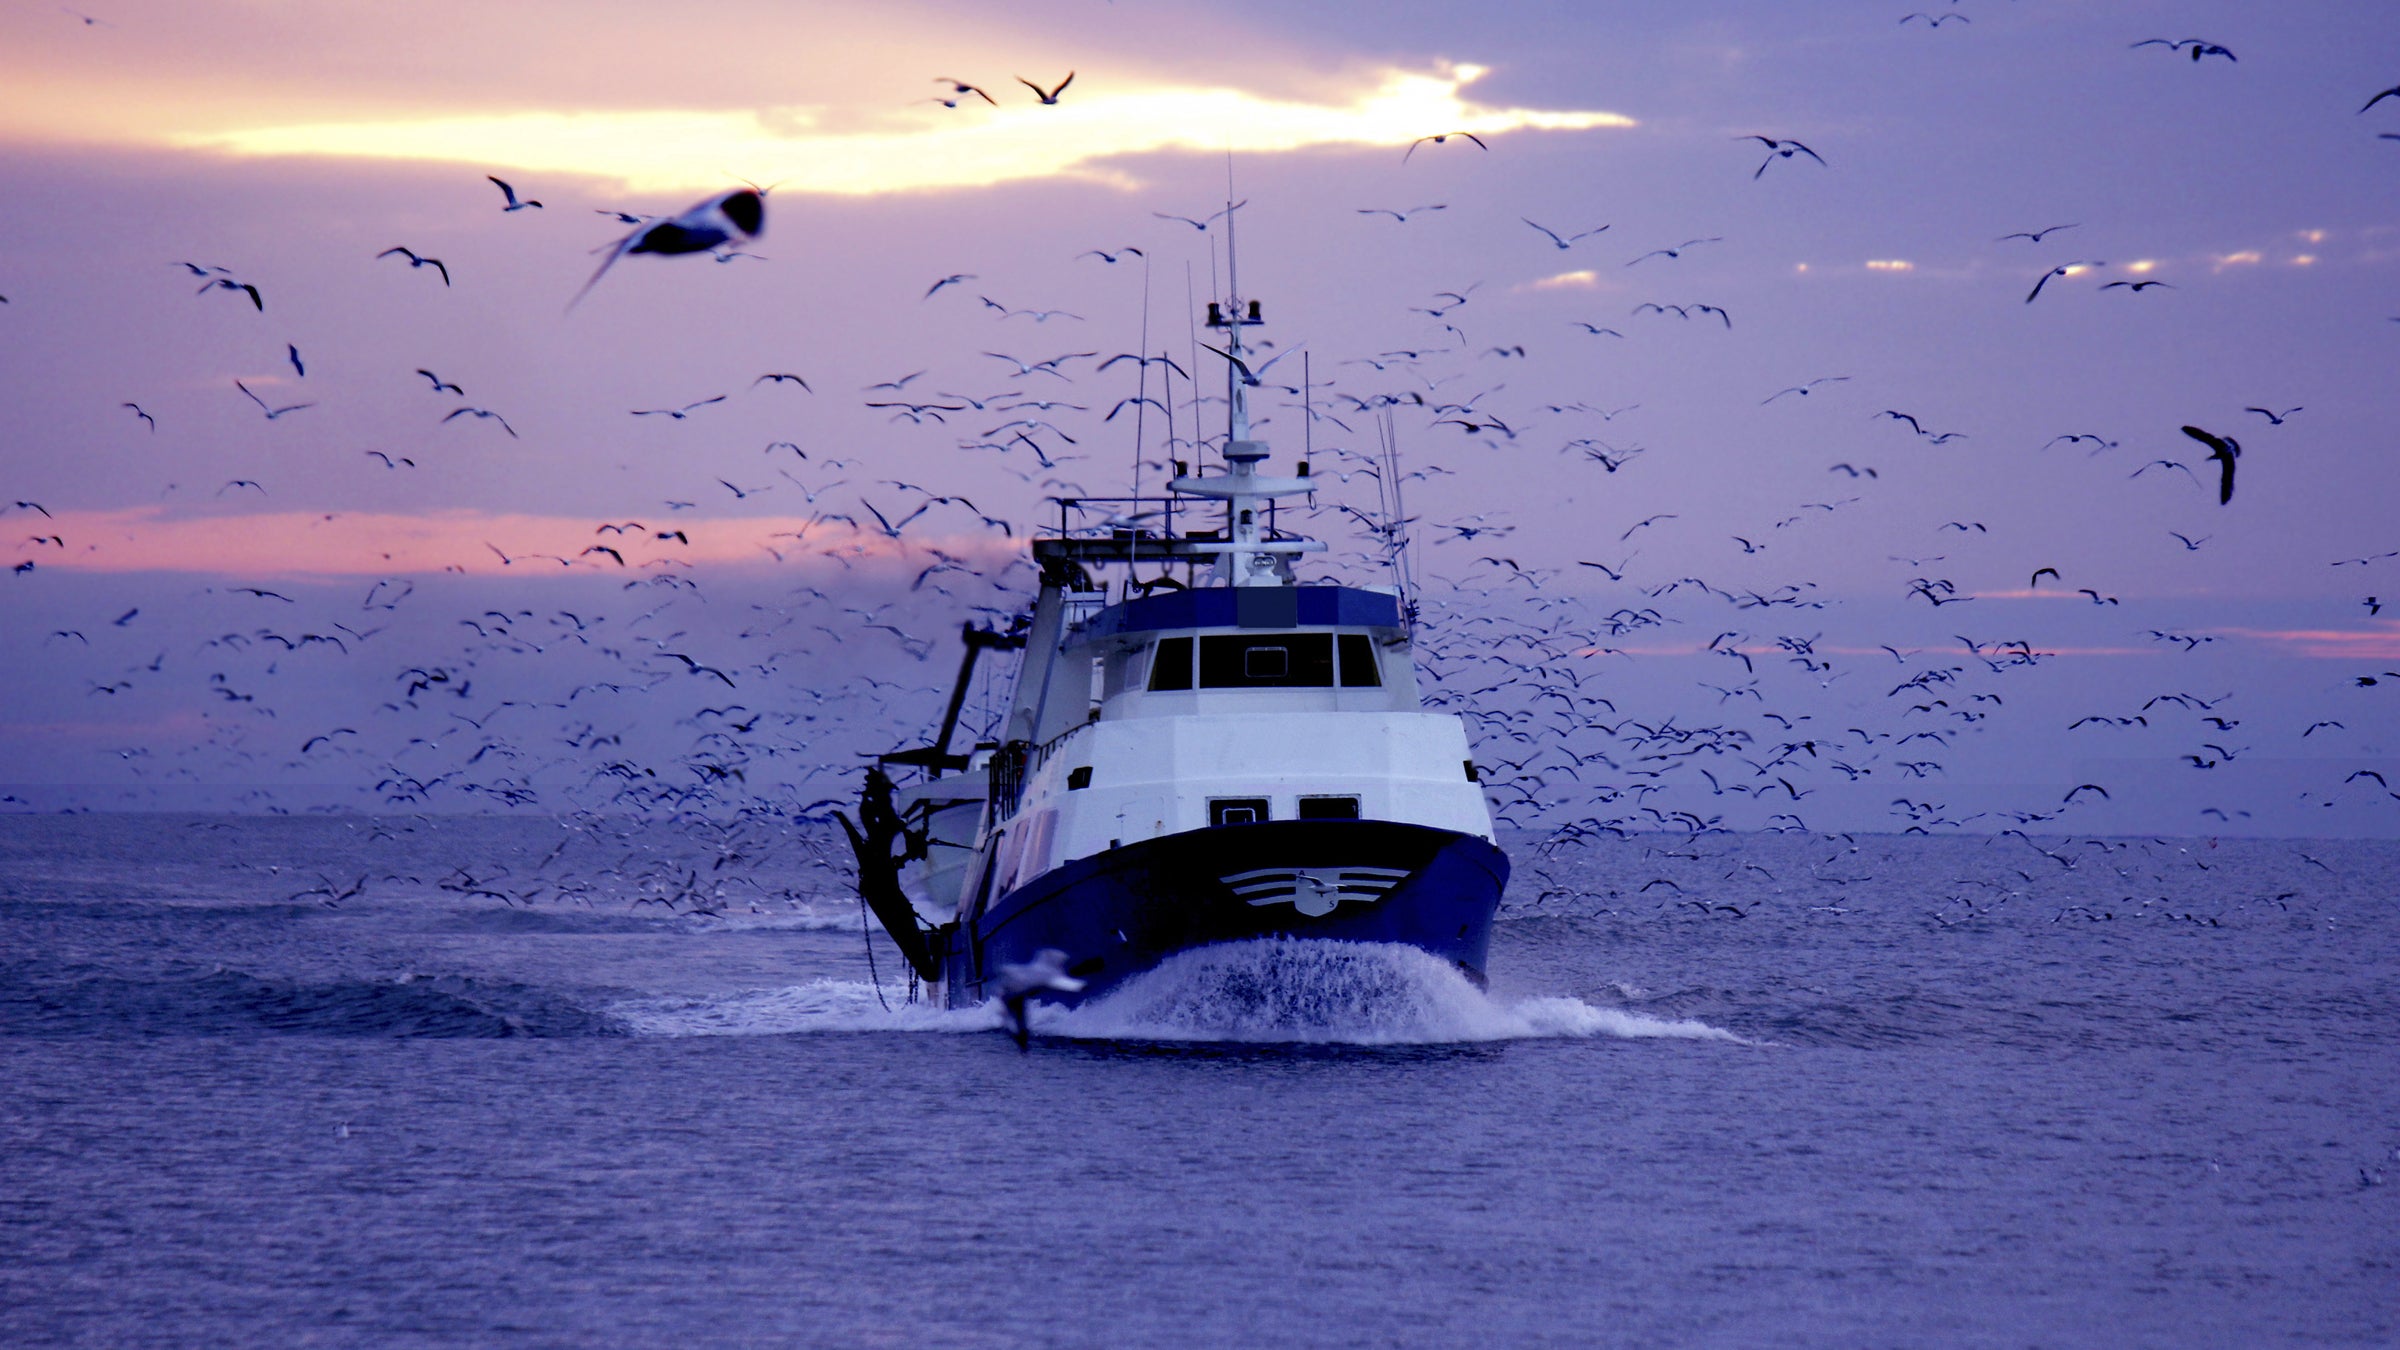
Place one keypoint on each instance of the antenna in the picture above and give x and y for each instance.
(1141, 394)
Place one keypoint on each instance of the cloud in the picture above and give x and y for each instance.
(680, 150)
(1580, 279)
(305, 544)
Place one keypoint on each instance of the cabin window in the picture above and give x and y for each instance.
(1236, 810)
(1255, 661)
(1358, 662)
(1329, 808)
(1080, 777)
(1171, 666)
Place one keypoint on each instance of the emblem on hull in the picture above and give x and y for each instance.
(1314, 891)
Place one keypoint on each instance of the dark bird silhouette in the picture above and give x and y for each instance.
(1203, 224)
(781, 377)
(2196, 46)
(292, 353)
(137, 411)
(2059, 271)
(272, 413)
(483, 414)
(1401, 216)
(2035, 236)
(2273, 418)
(2137, 287)
(960, 89)
(1934, 21)
(2224, 450)
(727, 218)
(439, 384)
(1677, 251)
(1049, 97)
(678, 413)
(1776, 150)
(511, 194)
(953, 279)
(229, 284)
(415, 261)
(1442, 139)
(1567, 241)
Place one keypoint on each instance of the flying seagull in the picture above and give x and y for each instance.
(2059, 271)
(2223, 449)
(1779, 150)
(272, 413)
(728, 217)
(511, 194)
(1442, 139)
(1049, 97)
(415, 262)
(1019, 983)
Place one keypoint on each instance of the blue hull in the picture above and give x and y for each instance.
(1122, 912)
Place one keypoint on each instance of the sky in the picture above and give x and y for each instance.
(1733, 524)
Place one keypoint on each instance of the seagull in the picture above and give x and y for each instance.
(2137, 287)
(1677, 251)
(2059, 271)
(727, 218)
(1442, 140)
(1779, 150)
(781, 377)
(2199, 47)
(291, 352)
(951, 280)
(2036, 236)
(1049, 97)
(678, 413)
(961, 88)
(229, 284)
(1020, 982)
(1802, 389)
(1203, 224)
(1569, 240)
(272, 413)
(511, 194)
(1107, 257)
(2273, 418)
(137, 411)
(483, 413)
(2393, 92)
(415, 262)
(1402, 216)
(439, 384)
(2223, 449)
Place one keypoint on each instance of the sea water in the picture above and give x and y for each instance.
(478, 1081)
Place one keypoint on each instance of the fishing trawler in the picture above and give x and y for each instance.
(1201, 748)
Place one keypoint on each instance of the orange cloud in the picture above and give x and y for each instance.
(346, 544)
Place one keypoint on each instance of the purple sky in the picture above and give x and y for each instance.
(290, 145)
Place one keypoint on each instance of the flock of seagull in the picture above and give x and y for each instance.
(569, 700)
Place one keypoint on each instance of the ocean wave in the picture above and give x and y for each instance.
(227, 1001)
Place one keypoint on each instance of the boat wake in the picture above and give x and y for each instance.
(1354, 993)
(1270, 991)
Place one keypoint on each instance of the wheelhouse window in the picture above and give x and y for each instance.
(1282, 660)
(1358, 662)
(1329, 808)
(1236, 810)
(1171, 665)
